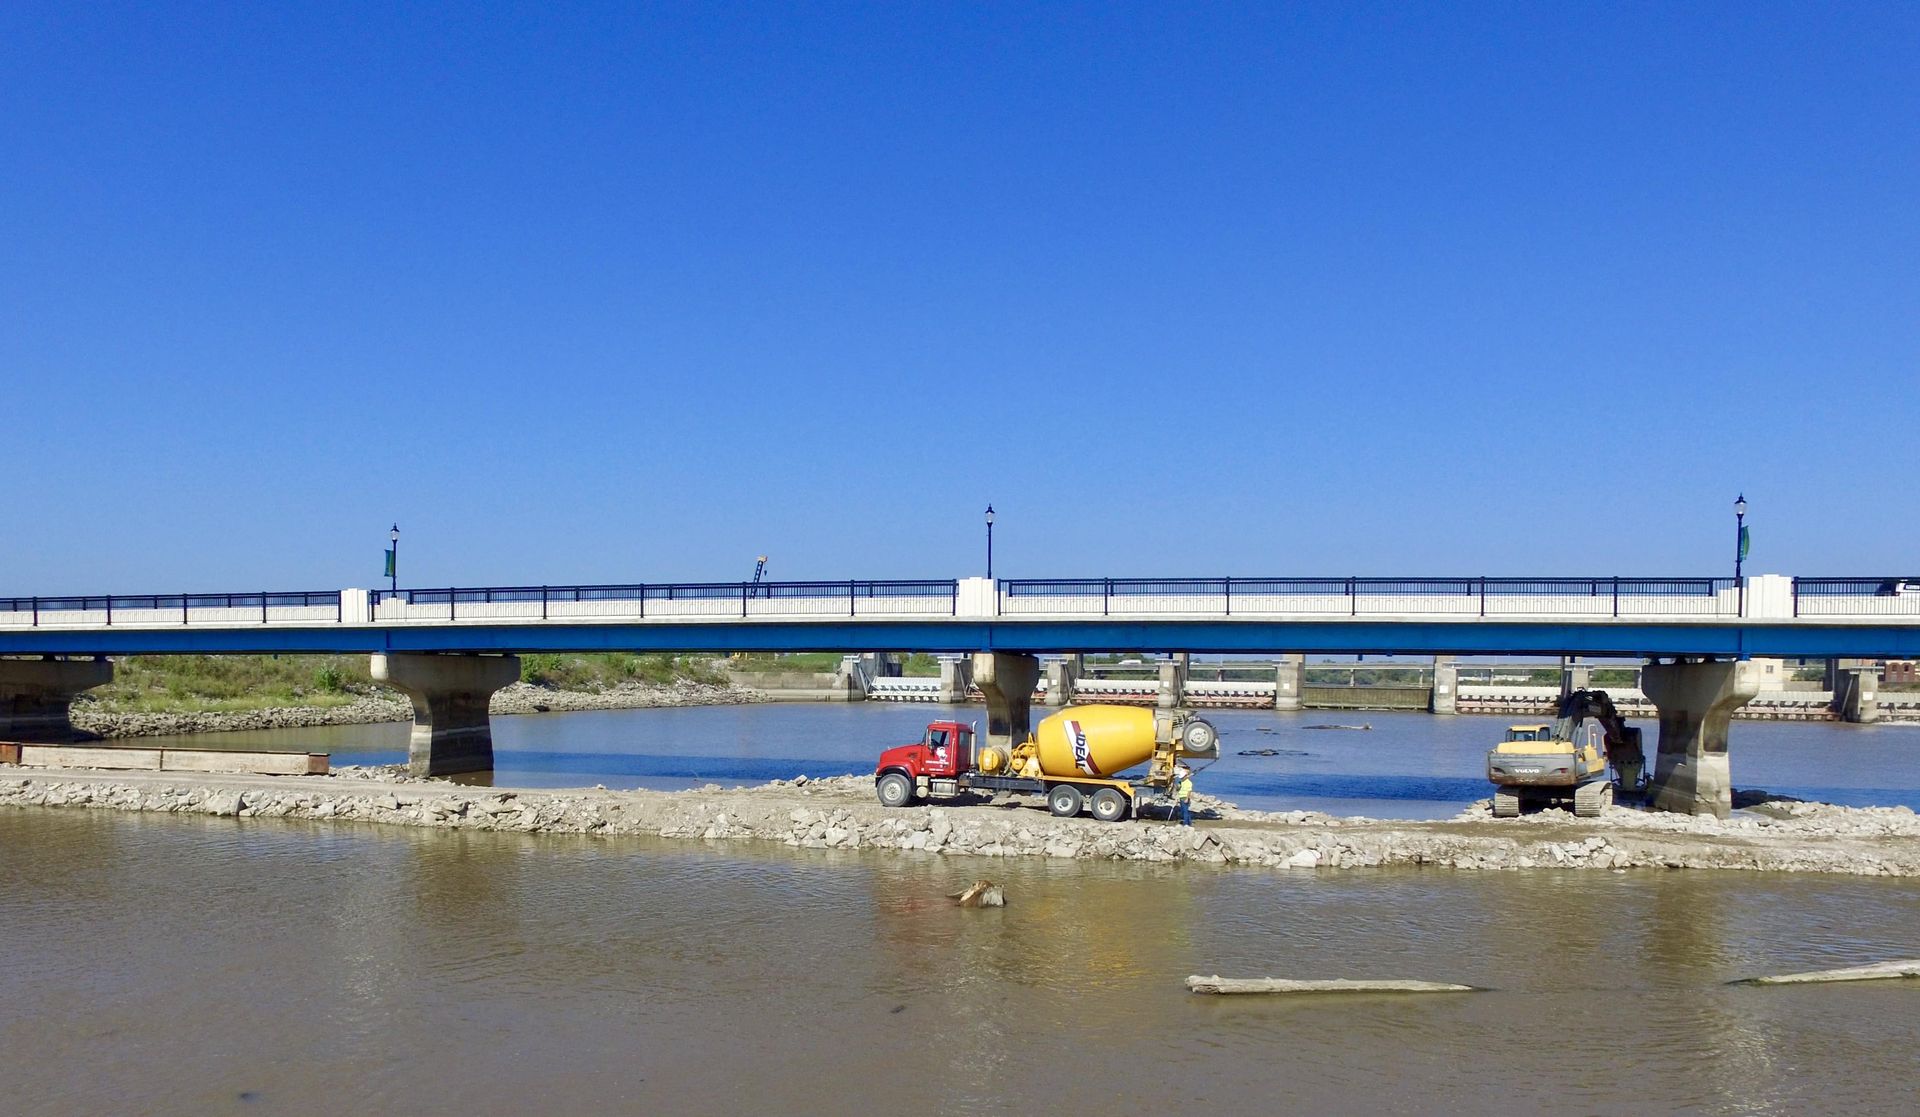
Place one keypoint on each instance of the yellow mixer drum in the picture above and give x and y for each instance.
(1097, 741)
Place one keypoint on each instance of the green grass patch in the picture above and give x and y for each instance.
(772, 663)
(176, 684)
(603, 671)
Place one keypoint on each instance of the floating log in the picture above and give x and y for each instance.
(1877, 971)
(1226, 985)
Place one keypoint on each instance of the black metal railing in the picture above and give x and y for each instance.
(1856, 597)
(1484, 596)
(168, 604)
(753, 598)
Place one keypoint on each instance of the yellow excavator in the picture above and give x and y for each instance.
(1569, 759)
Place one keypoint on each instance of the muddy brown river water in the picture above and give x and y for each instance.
(178, 964)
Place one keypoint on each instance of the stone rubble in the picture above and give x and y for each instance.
(840, 813)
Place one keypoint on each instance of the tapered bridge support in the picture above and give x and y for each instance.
(1007, 680)
(451, 729)
(1691, 774)
(36, 696)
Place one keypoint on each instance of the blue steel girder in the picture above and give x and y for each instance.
(1332, 637)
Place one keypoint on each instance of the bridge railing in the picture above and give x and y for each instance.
(1354, 597)
(1856, 597)
(645, 601)
(96, 610)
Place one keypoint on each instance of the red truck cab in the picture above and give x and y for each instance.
(945, 751)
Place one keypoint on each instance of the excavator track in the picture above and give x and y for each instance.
(1589, 799)
(1506, 804)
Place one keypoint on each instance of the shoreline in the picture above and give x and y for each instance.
(95, 723)
(841, 813)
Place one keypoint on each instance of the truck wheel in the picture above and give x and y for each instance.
(1065, 800)
(1199, 738)
(1110, 805)
(894, 789)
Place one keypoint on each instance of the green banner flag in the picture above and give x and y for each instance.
(1746, 542)
(389, 571)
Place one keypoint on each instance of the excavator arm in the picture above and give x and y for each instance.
(1625, 754)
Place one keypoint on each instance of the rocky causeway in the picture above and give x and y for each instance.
(1769, 835)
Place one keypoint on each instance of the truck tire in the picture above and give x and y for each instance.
(1199, 738)
(1065, 800)
(894, 790)
(1110, 805)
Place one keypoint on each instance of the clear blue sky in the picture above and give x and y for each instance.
(622, 293)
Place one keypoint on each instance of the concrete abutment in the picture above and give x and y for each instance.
(452, 732)
(36, 696)
(1691, 773)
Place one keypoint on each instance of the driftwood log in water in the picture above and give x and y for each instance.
(1217, 984)
(1878, 971)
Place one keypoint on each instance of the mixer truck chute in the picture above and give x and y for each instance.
(1075, 758)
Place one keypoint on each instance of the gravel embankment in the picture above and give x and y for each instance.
(520, 698)
(840, 813)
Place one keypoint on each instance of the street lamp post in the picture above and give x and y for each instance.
(393, 560)
(1740, 549)
(989, 541)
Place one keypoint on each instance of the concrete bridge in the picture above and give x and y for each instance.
(449, 649)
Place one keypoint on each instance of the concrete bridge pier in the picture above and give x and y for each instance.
(451, 730)
(955, 678)
(1446, 686)
(1574, 675)
(1007, 680)
(1691, 774)
(1289, 674)
(1855, 684)
(1173, 682)
(36, 696)
(1063, 678)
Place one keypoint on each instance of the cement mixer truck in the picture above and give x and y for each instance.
(1075, 758)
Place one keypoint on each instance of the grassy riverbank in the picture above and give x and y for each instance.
(210, 684)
